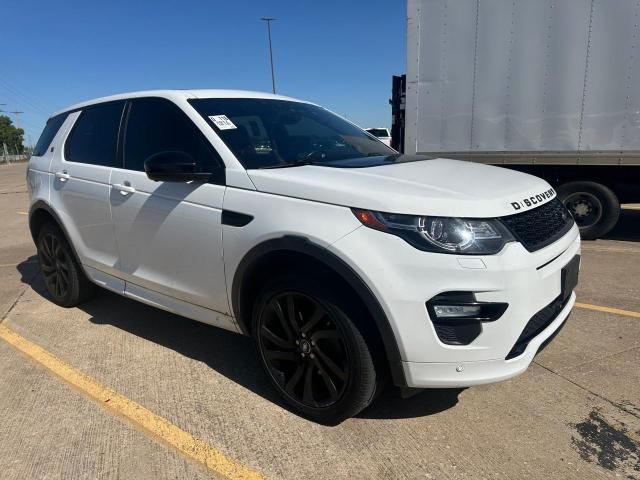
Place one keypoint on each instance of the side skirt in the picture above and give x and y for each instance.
(161, 301)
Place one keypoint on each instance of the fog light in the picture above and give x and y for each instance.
(457, 307)
(448, 311)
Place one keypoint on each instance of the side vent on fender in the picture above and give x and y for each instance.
(235, 219)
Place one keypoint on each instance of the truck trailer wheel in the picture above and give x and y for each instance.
(594, 207)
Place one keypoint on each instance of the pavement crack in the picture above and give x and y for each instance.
(18, 298)
(619, 406)
(13, 191)
(573, 367)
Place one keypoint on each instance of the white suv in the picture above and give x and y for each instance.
(381, 134)
(347, 262)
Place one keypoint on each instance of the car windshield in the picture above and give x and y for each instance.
(267, 133)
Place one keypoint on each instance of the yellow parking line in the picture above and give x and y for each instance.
(617, 311)
(158, 427)
(22, 213)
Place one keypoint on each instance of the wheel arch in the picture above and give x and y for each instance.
(247, 279)
(41, 213)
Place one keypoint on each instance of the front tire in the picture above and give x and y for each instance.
(64, 278)
(594, 207)
(312, 350)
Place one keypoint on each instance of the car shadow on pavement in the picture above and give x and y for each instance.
(390, 404)
(628, 227)
(28, 269)
(229, 354)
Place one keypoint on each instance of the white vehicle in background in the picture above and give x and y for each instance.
(347, 262)
(381, 134)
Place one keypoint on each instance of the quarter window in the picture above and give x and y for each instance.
(155, 125)
(94, 137)
(48, 134)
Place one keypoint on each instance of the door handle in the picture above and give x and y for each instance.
(63, 176)
(124, 189)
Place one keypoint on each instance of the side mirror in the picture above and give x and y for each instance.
(174, 166)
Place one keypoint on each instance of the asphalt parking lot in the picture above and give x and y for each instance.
(117, 389)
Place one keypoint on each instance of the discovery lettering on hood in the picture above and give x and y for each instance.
(534, 199)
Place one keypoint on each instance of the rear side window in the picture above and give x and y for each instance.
(49, 132)
(94, 137)
(155, 125)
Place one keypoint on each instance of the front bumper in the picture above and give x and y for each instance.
(467, 374)
(403, 279)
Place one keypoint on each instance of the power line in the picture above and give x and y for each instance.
(17, 114)
(28, 96)
(20, 103)
(30, 125)
(21, 98)
(25, 122)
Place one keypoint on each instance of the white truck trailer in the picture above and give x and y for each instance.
(548, 87)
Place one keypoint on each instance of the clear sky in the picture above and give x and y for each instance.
(338, 53)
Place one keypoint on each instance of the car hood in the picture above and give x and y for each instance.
(438, 187)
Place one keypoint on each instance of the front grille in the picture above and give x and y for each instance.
(536, 325)
(541, 226)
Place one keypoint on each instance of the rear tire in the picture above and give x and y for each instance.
(63, 277)
(594, 207)
(312, 350)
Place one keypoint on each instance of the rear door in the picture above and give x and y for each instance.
(80, 188)
(169, 234)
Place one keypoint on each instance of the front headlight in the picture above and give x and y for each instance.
(470, 236)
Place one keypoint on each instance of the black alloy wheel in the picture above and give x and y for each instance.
(310, 334)
(55, 265)
(63, 276)
(304, 349)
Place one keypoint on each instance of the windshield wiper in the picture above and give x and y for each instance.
(330, 163)
(295, 163)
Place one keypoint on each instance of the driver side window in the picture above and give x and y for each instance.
(156, 125)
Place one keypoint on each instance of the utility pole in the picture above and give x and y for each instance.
(16, 113)
(273, 75)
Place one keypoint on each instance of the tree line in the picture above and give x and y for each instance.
(11, 136)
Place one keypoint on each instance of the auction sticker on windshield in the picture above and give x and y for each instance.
(222, 122)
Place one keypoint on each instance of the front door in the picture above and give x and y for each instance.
(169, 234)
